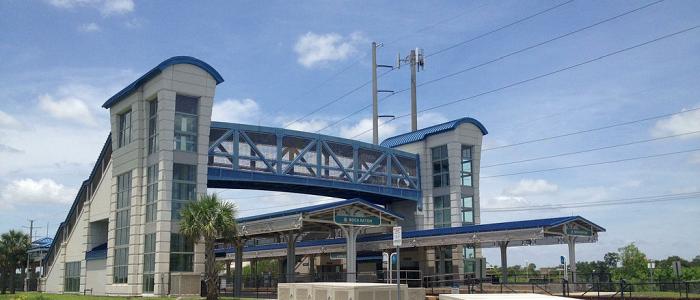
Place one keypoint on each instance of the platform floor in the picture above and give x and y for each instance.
(513, 296)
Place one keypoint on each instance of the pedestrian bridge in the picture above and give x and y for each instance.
(275, 159)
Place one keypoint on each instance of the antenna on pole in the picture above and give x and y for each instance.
(375, 91)
(417, 61)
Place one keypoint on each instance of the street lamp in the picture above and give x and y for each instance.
(651, 265)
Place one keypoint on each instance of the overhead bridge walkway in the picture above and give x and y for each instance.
(265, 158)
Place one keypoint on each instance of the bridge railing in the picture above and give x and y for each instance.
(294, 153)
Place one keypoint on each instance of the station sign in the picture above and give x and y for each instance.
(360, 220)
(578, 230)
(397, 236)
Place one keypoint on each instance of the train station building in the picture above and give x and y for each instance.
(121, 235)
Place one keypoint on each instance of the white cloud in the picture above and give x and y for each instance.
(106, 7)
(117, 7)
(308, 126)
(236, 111)
(526, 187)
(7, 121)
(30, 191)
(67, 108)
(362, 130)
(678, 124)
(89, 27)
(318, 49)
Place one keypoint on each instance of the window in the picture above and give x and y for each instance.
(467, 210)
(149, 262)
(72, 277)
(444, 259)
(124, 129)
(121, 244)
(151, 192)
(184, 187)
(181, 253)
(441, 169)
(186, 123)
(152, 126)
(469, 254)
(441, 208)
(466, 172)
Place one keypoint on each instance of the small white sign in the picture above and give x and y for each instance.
(397, 236)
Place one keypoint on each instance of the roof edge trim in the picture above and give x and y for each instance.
(175, 60)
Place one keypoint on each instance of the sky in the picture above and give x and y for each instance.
(281, 60)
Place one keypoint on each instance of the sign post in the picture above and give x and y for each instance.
(397, 243)
(563, 263)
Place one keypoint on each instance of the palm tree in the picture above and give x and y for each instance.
(209, 219)
(14, 245)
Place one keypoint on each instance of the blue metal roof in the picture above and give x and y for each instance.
(42, 243)
(99, 252)
(157, 70)
(423, 133)
(315, 208)
(514, 225)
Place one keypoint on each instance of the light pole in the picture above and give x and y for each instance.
(651, 265)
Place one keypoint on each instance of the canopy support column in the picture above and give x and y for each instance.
(291, 255)
(350, 252)
(504, 261)
(571, 241)
(238, 268)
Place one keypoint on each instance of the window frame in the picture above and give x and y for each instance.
(467, 159)
(440, 158)
(149, 262)
(184, 140)
(120, 271)
(152, 193)
(181, 253)
(188, 185)
(71, 277)
(152, 126)
(464, 209)
(125, 128)
(442, 209)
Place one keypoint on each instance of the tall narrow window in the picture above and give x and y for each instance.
(121, 244)
(469, 254)
(186, 123)
(124, 129)
(152, 126)
(441, 168)
(149, 262)
(184, 187)
(444, 259)
(181, 253)
(466, 172)
(467, 210)
(71, 278)
(441, 208)
(151, 192)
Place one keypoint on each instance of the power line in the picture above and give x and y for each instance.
(593, 164)
(521, 82)
(591, 129)
(500, 28)
(590, 150)
(327, 104)
(359, 59)
(623, 201)
(512, 53)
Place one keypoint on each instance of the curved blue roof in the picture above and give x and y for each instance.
(315, 208)
(157, 70)
(423, 133)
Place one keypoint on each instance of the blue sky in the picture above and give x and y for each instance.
(62, 58)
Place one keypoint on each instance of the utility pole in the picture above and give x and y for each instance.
(375, 93)
(417, 61)
(26, 272)
(375, 105)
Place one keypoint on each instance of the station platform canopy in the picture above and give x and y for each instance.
(549, 231)
(321, 217)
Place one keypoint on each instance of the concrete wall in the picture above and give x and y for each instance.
(96, 272)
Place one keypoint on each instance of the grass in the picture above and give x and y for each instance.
(663, 295)
(46, 296)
